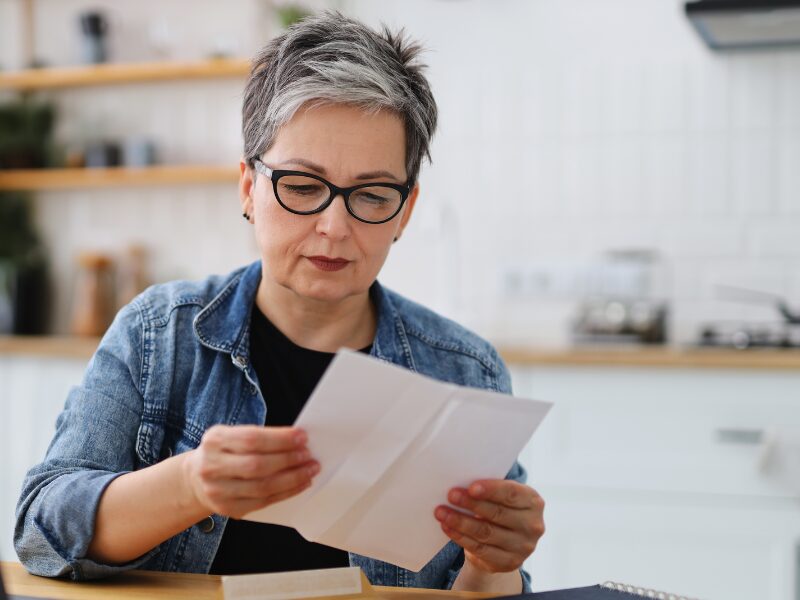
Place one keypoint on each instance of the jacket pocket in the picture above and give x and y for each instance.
(150, 440)
(160, 438)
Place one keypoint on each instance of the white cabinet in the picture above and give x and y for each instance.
(641, 485)
(32, 394)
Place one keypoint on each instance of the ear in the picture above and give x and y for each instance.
(246, 188)
(408, 208)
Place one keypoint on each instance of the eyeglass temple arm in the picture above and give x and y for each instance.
(262, 168)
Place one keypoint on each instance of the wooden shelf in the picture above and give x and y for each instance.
(108, 74)
(52, 179)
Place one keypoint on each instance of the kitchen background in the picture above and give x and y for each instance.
(568, 129)
(587, 151)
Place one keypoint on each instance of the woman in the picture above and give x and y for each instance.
(164, 444)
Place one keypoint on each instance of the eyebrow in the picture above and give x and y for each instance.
(321, 170)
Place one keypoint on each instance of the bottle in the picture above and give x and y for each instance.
(94, 295)
(132, 276)
(94, 26)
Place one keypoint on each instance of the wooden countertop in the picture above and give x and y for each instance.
(174, 586)
(601, 356)
(48, 346)
(134, 584)
(666, 357)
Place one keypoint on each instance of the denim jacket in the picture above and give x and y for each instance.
(175, 362)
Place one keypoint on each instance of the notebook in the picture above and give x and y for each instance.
(605, 591)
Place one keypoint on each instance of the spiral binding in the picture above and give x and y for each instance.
(642, 592)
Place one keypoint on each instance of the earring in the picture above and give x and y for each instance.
(246, 216)
(397, 238)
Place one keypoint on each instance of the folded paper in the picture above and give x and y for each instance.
(391, 443)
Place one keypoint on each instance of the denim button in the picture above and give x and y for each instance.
(207, 525)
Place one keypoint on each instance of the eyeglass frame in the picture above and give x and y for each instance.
(275, 174)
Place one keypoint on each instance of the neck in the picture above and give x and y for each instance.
(316, 324)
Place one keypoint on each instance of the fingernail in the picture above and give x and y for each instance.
(313, 469)
(300, 438)
(477, 490)
(302, 455)
(456, 497)
(440, 513)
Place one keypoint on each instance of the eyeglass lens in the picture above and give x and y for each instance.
(306, 194)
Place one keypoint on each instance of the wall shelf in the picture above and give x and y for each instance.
(108, 74)
(53, 179)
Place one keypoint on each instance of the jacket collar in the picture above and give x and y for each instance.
(224, 324)
(391, 341)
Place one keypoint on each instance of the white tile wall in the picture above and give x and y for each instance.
(567, 128)
(631, 133)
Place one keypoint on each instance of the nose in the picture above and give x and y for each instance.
(335, 222)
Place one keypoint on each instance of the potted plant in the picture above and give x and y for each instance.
(26, 129)
(25, 134)
(23, 269)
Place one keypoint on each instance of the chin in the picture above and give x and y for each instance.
(327, 291)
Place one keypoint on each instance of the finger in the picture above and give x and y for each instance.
(482, 530)
(241, 489)
(254, 466)
(239, 508)
(243, 507)
(251, 439)
(510, 518)
(506, 492)
(493, 559)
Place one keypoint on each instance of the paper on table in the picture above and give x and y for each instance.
(348, 582)
(391, 443)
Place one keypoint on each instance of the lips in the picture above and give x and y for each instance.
(326, 263)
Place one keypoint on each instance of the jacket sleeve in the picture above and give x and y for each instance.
(94, 442)
(517, 473)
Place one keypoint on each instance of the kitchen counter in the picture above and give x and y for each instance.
(649, 356)
(48, 346)
(619, 356)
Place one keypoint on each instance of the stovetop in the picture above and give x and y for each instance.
(743, 335)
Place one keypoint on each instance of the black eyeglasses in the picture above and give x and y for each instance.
(306, 194)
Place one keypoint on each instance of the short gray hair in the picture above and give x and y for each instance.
(330, 58)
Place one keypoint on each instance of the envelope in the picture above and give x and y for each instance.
(391, 443)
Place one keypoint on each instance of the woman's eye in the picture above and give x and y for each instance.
(374, 198)
(302, 189)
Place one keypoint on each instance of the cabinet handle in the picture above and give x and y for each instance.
(797, 570)
(750, 437)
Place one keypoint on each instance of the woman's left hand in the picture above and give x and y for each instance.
(504, 523)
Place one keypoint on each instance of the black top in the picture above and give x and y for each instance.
(287, 374)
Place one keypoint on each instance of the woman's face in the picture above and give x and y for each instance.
(343, 144)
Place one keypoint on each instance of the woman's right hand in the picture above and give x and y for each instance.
(239, 469)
